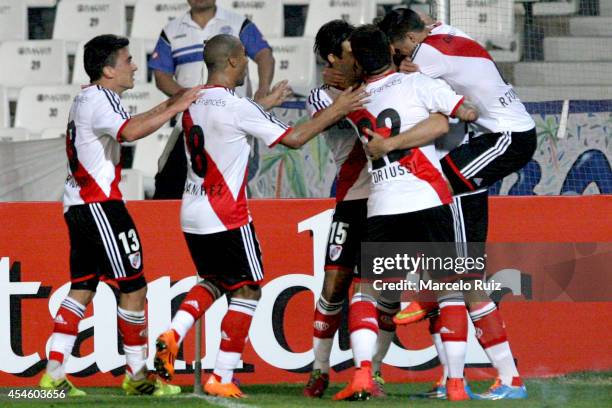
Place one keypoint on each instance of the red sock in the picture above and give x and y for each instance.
(363, 327)
(235, 325)
(490, 329)
(362, 315)
(453, 323)
(65, 329)
(197, 301)
(133, 329)
(327, 319)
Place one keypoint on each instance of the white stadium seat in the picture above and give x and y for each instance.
(14, 134)
(556, 8)
(490, 23)
(294, 61)
(148, 149)
(566, 73)
(139, 56)
(40, 107)
(146, 156)
(577, 49)
(131, 184)
(4, 109)
(150, 16)
(354, 11)
(35, 62)
(556, 93)
(142, 98)
(267, 15)
(53, 133)
(81, 20)
(13, 20)
(591, 26)
(40, 3)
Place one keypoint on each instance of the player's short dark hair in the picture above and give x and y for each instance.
(397, 23)
(370, 48)
(330, 37)
(218, 49)
(101, 51)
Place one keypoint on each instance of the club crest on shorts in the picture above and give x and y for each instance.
(334, 252)
(135, 260)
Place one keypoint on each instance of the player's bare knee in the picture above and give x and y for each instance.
(251, 292)
(83, 296)
(134, 300)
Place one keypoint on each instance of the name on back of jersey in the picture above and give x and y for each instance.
(389, 173)
(194, 189)
(509, 96)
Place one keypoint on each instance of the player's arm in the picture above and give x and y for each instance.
(148, 122)
(166, 83)
(258, 49)
(346, 102)
(162, 64)
(421, 134)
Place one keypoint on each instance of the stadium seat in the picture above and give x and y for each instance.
(591, 26)
(294, 61)
(605, 8)
(266, 14)
(322, 11)
(142, 98)
(556, 8)
(565, 73)
(81, 20)
(13, 20)
(150, 16)
(139, 56)
(40, 3)
(40, 107)
(556, 93)
(131, 184)
(53, 133)
(146, 156)
(490, 23)
(36, 62)
(14, 134)
(577, 49)
(147, 151)
(5, 115)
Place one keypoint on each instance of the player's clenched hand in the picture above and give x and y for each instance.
(350, 100)
(186, 97)
(279, 94)
(408, 66)
(377, 146)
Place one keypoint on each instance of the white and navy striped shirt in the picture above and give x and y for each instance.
(217, 126)
(93, 147)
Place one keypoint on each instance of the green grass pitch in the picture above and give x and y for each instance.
(577, 390)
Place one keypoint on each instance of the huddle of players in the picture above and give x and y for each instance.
(411, 203)
(406, 198)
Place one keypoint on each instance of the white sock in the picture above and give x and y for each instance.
(437, 340)
(322, 350)
(225, 365)
(502, 359)
(363, 342)
(455, 354)
(62, 343)
(181, 323)
(383, 342)
(135, 355)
